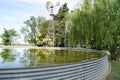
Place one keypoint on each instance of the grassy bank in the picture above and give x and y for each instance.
(115, 71)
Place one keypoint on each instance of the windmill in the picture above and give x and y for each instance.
(51, 31)
(50, 6)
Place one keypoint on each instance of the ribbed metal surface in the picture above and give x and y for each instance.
(86, 70)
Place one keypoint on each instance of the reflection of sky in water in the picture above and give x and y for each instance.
(20, 57)
(16, 63)
(1, 60)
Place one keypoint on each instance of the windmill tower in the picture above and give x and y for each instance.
(51, 30)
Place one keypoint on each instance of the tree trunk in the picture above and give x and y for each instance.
(113, 52)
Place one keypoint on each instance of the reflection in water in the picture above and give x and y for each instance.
(7, 56)
(42, 57)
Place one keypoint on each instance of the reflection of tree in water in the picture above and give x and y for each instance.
(43, 57)
(7, 55)
(24, 58)
(38, 57)
(35, 57)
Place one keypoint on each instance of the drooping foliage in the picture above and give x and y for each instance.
(96, 24)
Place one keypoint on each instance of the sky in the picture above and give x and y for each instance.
(14, 12)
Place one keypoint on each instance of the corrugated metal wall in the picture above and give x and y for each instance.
(86, 70)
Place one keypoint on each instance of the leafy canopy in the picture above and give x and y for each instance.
(7, 36)
(31, 28)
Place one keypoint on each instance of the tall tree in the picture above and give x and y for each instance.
(79, 25)
(31, 28)
(60, 19)
(7, 36)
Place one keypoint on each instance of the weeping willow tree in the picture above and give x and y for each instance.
(101, 36)
(79, 25)
(95, 25)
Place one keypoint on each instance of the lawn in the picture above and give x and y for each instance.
(115, 71)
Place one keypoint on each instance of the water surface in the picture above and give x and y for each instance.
(18, 57)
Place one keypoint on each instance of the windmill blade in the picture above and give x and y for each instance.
(49, 5)
(58, 3)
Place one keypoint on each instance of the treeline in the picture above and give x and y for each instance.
(96, 25)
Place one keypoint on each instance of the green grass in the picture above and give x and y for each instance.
(115, 71)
